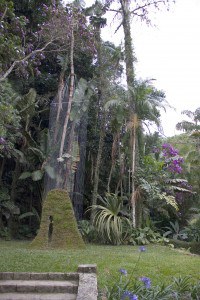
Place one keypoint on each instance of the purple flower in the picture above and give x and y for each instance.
(155, 149)
(123, 271)
(164, 146)
(129, 295)
(2, 141)
(168, 150)
(133, 297)
(146, 281)
(142, 248)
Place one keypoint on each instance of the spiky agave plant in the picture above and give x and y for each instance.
(110, 220)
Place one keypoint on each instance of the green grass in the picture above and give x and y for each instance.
(158, 262)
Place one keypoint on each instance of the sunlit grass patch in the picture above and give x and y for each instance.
(157, 262)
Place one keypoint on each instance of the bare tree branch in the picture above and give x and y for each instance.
(5, 11)
(154, 3)
(16, 62)
(118, 27)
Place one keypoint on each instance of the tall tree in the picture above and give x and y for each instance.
(96, 12)
(191, 127)
(127, 10)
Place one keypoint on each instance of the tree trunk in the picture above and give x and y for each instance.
(67, 171)
(15, 177)
(102, 117)
(129, 58)
(60, 97)
(130, 74)
(80, 172)
(114, 149)
(133, 198)
(71, 92)
(2, 169)
(97, 166)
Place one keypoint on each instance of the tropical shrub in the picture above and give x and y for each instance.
(145, 236)
(175, 232)
(193, 229)
(165, 195)
(111, 220)
(88, 231)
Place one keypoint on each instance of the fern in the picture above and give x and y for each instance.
(169, 200)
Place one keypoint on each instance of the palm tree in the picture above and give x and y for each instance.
(141, 10)
(148, 101)
(107, 67)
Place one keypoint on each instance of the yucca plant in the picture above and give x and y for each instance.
(110, 220)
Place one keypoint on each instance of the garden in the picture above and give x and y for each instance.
(169, 270)
(86, 173)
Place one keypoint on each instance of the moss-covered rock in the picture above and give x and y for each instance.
(58, 228)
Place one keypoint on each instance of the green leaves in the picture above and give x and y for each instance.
(50, 171)
(25, 175)
(9, 116)
(7, 207)
(28, 214)
(169, 200)
(37, 175)
(109, 219)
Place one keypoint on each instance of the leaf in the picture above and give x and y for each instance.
(170, 200)
(25, 175)
(11, 207)
(179, 189)
(37, 175)
(50, 171)
(113, 102)
(26, 215)
(37, 152)
(19, 155)
(36, 214)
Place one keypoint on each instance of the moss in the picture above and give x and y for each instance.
(63, 232)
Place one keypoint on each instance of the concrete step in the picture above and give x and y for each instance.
(81, 285)
(38, 286)
(38, 276)
(31, 296)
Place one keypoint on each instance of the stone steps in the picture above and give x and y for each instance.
(38, 276)
(81, 285)
(33, 296)
(38, 286)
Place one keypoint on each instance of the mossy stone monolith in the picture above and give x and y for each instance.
(58, 228)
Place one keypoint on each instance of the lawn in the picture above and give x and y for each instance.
(160, 263)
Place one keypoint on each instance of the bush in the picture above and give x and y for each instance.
(145, 236)
(110, 220)
(193, 230)
(88, 231)
(194, 247)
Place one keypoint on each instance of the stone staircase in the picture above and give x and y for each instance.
(81, 285)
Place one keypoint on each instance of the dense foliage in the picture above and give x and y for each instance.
(133, 185)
